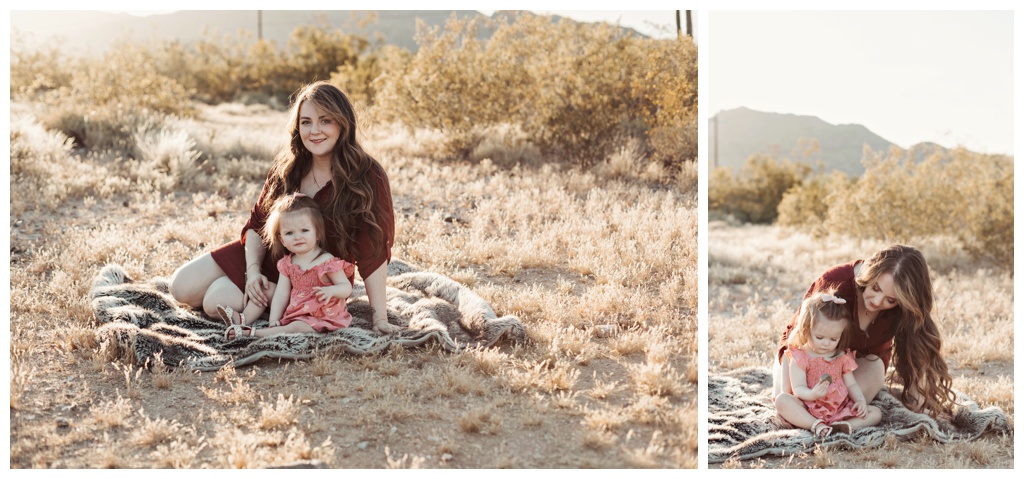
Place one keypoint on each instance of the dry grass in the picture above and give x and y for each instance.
(600, 265)
(757, 276)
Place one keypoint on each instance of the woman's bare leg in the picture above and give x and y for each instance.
(870, 376)
(191, 281)
(780, 377)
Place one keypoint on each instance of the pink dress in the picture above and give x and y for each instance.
(304, 305)
(836, 405)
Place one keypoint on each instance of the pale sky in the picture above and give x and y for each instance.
(943, 77)
(653, 23)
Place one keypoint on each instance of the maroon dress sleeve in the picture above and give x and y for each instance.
(367, 258)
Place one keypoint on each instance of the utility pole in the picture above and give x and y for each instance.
(714, 132)
(689, 23)
(679, 26)
(259, 24)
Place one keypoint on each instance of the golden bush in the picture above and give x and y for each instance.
(955, 193)
(577, 91)
(806, 204)
(754, 194)
(903, 196)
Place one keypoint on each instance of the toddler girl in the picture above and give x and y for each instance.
(826, 397)
(314, 284)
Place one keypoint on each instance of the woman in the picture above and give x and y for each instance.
(324, 161)
(890, 301)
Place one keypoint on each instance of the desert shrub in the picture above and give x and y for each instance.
(125, 77)
(315, 53)
(806, 204)
(108, 96)
(223, 68)
(450, 85)
(45, 171)
(165, 157)
(667, 90)
(955, 193)
(361, 78)
(754, 194)
(35, 72)
(577, 91)
(212, 68)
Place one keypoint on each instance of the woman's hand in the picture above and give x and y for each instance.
(256, 289)
(381, 325)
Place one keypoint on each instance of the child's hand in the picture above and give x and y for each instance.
(860, 408)
(819, 391)
(274, 323)
(329, 293)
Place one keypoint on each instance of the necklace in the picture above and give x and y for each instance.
(317, 183)
(861, 311)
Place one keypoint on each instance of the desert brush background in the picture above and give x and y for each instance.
(562, 191)
(779, 222)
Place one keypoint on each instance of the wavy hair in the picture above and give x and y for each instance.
(290, 205)
(352, 202)
(815, 309)
(917, 357)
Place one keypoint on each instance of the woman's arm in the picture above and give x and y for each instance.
(256, 283)
(280, 302)
(376, 292)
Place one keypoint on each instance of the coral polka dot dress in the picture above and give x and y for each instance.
(836, 405)
(304, 305)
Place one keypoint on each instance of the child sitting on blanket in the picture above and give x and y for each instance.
(826, 397)
(314, 284)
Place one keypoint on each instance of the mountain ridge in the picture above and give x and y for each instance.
(744, 132)
(93, 31)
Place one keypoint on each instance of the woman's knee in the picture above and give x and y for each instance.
(222, 291)
(190, 282)
(780, 377)
(870, 376)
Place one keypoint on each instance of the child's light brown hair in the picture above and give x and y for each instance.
(295, 203)
(821, 306)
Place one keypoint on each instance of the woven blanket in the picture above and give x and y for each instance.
(742, 423)
(141, 323)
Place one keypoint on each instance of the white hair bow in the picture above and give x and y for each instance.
(828, 298)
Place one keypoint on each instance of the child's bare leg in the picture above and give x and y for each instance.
(292, 327)
(872, 418)
(251, 312)
(793, 410)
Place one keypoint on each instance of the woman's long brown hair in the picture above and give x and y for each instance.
(352, 202)
(918, 345)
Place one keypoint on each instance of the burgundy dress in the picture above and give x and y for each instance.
(876, 340)
(231, 256)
